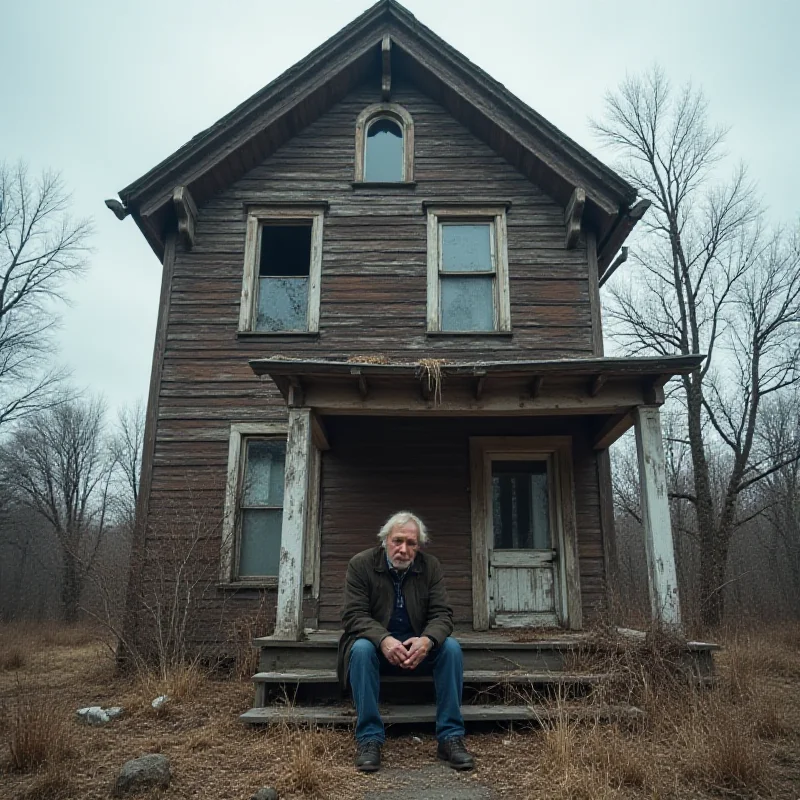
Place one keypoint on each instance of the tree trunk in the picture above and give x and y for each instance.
(70, 588)
(704, 507)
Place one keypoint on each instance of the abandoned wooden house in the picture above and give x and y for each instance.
(380, 291)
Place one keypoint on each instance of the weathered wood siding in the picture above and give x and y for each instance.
(373, 301)
(376, 467)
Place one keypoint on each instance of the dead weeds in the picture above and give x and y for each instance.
(740, 739)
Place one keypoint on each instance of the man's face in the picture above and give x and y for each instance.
(402, 545)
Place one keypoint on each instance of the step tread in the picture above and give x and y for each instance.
(467, 642)
(470, 676)
(403, 714)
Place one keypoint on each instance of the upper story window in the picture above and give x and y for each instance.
(384, 145)
(283, 264)
(467, 270)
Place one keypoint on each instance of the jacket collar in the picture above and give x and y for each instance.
(380, 561)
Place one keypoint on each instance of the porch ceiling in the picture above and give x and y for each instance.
(608, 388)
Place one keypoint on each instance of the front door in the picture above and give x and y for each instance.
(522, 579)
(524, 542)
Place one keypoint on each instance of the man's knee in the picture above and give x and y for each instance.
(363, 650)
(450, 648)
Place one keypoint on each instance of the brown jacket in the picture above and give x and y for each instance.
(369, 602)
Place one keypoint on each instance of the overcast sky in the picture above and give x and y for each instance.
(104, 90)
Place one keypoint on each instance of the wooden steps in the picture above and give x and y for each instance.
(342, 714)
(485, 676)
(508, 676)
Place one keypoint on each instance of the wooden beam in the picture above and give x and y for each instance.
(573, 216)
(319, 434)
(289, 615)
(187, 215)
(659, 547)
(480, 382)
(536, 386)
(386, 61)
(610, 246)
(597, 384)
(611, 430)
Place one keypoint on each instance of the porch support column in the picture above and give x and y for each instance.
(289, 619)
(655, 517)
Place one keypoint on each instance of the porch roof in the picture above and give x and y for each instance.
(606, 388)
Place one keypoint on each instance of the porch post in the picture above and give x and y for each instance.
(655, 516)
(289, 618)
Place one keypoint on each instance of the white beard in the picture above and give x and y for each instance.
(402, 566)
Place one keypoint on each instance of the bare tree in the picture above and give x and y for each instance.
(57, 465)
(126, 445)
(41, 248)
(709, 281)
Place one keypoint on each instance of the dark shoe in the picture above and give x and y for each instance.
(368, 757)
(455, 752)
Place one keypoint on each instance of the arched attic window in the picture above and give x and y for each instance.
(384, 145)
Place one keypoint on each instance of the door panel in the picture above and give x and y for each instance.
(522, 558)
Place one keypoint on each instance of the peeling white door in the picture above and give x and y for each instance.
(522, 559)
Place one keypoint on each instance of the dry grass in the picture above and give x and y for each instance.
(12, 659)
(36, 730)
(740, 740)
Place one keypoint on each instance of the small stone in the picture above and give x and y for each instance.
(416, 740)
(93, 715)
(143, 773)
(160, 701)
(114, 712)
(265, 793)
(506, 742)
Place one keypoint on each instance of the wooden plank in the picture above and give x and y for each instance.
(595, 305)
(411, 714)
(659, 547)
(484, 676)
(611, 430)
(479, 537)
(289, 618)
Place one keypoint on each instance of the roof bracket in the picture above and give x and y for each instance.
(597, 384)
(480, 382)
(573, 215)
(536, 386)
(386, 61)
(296, 394)
(363, 386)
(187, 215)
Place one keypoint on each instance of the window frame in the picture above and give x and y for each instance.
(496, 216)
(257, 218)
(397, 114)
(232, 518)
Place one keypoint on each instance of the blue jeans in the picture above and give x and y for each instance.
(447, 665)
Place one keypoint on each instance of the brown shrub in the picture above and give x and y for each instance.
(51, 784)
(13, 658)
(37, 729)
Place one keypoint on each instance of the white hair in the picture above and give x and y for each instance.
(400, 518)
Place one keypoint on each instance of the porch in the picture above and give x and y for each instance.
(365, 439)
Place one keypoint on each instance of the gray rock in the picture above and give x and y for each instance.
(265, 793)
(160, 701)
(93, 715)
(143, 773)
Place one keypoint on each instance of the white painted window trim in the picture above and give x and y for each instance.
(496, 215)
(256, 218)
(233, 486)
(397, 114)
(557, 451)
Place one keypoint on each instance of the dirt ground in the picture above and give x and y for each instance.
(740, 740)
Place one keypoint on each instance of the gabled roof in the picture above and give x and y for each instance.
(247, 135)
